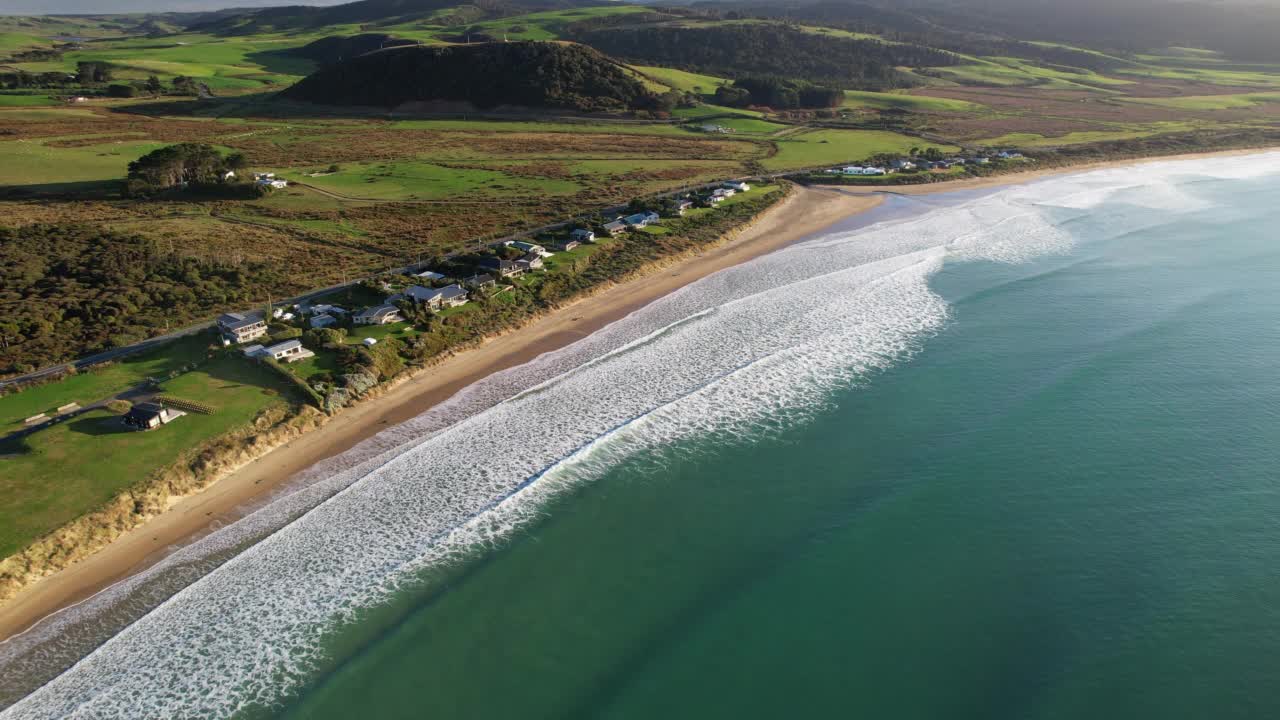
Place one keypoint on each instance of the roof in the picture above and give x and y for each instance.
(282, 347)
(430, 275)
(145, 411)
(419, 293)
(614, 225)
(451, 292)
(480, 279)
(582, 232)
(377, 310)
(235, 321)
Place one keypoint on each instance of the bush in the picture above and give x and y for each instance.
(121, 91)
(119, 407)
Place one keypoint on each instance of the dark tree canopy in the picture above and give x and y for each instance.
(523, 74)
(176, 165)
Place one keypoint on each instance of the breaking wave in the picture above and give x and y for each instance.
(237, 619)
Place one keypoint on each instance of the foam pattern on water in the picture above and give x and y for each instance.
(237, 620)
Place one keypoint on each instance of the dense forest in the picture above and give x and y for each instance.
(767, 49)
(777, 93)
(1243, 30)
(69, 290)
(521, 74)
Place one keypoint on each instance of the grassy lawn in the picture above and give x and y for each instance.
(682, 80)
(88, 387)
(25, 100)
(400, 331)
(744, 125)
(832, 147)
(75, 467)
(1212, 102)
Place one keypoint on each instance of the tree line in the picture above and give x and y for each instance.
(767, 49)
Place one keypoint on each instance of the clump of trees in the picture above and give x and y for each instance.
(777, 93)
(524, 74)
(180, 166)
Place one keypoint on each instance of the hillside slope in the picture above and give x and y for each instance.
(521, 74)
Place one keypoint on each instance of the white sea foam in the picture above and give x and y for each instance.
(740, 353)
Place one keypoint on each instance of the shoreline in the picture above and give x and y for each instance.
(806, 211)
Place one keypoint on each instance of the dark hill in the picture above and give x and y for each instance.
(368, 12)
(523, 74)
(336, 48)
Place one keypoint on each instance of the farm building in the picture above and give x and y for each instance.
(148, 416)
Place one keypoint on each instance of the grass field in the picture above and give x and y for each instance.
(903, 101)
(88, 387)
(32, 162)
(816, 148)
(25, 100)
(1212, 102)
(72, 468)
(421, 180)
(684, 81)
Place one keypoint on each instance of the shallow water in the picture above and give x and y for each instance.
(1013, 458)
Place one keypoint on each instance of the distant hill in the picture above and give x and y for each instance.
(765, 48)
(371, 12)
(519, 74)
(336, 48)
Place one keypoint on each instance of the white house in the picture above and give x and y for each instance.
(430, 275)
(287, 351)
(643, 219)
(323, 321)
(616, 227)
(873, 171)
(369, 342)
(527, 247)
(735, 185)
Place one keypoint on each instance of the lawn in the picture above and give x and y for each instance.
(75, 467)
(87, 387)
(818, 148)
(1211, 102)
(25, 100)
(684, 81)
(744, 125)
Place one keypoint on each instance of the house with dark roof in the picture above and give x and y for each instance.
(479, 281)
(242, 327)
(640, 220)
(615, 228)
(452, 296)
(149, 416)
(504, 268)
(380, 315)
(532, 261)
(582, 235)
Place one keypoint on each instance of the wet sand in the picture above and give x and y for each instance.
(805, 212)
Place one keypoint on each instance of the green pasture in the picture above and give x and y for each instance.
(611, 128)
(684, 81)
(832, 147)
(24, 100)
(903, 101)
(32, 162)
(422, 180)
(63, 472)
(1211, 102)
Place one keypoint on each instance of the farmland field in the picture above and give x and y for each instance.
(831, 147)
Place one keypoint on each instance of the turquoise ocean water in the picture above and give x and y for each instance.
(1017, 456)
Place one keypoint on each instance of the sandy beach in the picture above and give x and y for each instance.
(805, 212)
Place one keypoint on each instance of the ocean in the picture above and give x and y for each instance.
(1003, 455)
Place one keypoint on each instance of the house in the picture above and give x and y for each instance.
(380, 315)
(416, 293)
(640, 220)
(228, 175)
(853, 170)
(683, 206)
(735, 185)
(982, 160)
(269, 180)
(504, 268)
(481, 280)
(148, 416)
(902, 165)
(430, 276)
(583, 235)
(287, 351)
(713, 128)
(368, 342)
(242, 327)
(617, 227)
(77, 98)
(568, 245)
(527, 247)
(452, 296)
(873, 171)
(532, 261)
(324, 309)
(253, 351)
(323, 321)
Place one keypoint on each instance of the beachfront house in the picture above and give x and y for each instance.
(735, 185)
(615, 228)
(287, 351)
(149, 416)
(380, 315)
(902, 165)
(532, 261)
(640, 220)
(582, 235)
(429, 275)
(452, 296)
(480, 281)
(242, 327)
(504, 268)
(568, 245)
